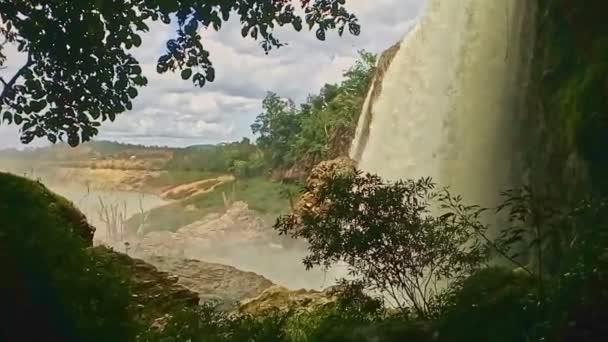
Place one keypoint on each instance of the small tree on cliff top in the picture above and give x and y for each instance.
(79, 72)
(387, 235)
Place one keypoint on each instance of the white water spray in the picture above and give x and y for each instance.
(447, 104)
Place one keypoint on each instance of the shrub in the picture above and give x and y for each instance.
(387, 235)
(494, 304)
(206, 324)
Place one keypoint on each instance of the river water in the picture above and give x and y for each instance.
(282, 265)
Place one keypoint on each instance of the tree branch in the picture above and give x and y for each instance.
(9, 85)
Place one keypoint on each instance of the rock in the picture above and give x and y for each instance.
(224, 284)
(237, 226)
(236, 237)
(281, 298)
(154, 293)
(44, 203)
(330, 168)
(318, 176)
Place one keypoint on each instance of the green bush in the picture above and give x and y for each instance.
(206, 324)
(494, 304)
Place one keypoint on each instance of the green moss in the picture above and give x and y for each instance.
(23, 198)
(66, 295)
(568, 97)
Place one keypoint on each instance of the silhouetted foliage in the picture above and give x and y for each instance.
(494, 304)
(206, 324)
(78, 70)
(390, 237)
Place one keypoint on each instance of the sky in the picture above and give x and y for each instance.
(172, 112)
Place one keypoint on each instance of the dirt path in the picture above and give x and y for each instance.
(184, 191)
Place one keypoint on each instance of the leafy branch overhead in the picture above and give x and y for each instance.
(79, 71)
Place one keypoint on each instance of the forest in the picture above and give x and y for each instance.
(424, 264)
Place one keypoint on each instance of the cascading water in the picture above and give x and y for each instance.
(445, 100)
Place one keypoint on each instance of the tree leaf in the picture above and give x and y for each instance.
(186, 73)
(132, 92)
(210, 74)
(7, 116)
(320, 34)
(136, 40)
(38, 106)
(51, 137)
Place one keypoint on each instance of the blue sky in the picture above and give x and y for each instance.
(173, 112)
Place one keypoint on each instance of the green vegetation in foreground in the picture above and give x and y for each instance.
(437, 267)
(267, 197)
(548, 300)
(68, 295)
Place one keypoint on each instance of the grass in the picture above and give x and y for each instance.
(263, 195)
(177, 177)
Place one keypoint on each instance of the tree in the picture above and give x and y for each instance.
(79, 72)
(387, 235)
(330, 118)
(322, 127)
(276, 126)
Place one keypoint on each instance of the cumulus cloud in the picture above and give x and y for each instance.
(170, 111)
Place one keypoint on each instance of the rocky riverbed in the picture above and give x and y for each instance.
(230, 257)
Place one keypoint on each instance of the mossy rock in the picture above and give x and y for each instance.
(22, 198)
(153, 294)
(54, 282)
(51, 283)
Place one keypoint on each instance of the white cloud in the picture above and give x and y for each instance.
(170, 111)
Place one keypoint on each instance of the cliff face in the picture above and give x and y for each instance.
(567, 102)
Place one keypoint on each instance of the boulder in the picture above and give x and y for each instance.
(281, 298)
(318, 176)
(225, 285)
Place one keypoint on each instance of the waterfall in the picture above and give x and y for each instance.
(445, 101)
